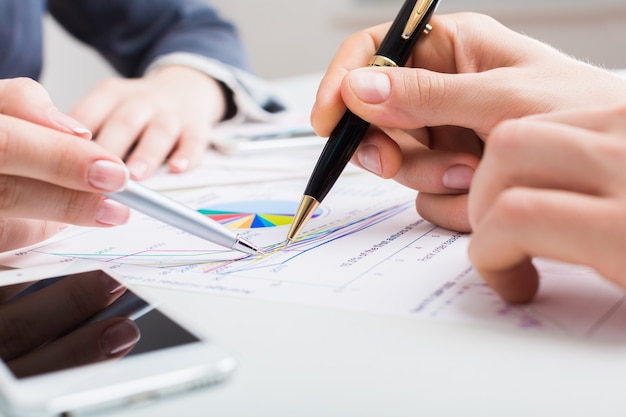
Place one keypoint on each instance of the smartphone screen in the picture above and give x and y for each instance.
(73, 320)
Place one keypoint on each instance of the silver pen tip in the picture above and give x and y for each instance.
(243, 245)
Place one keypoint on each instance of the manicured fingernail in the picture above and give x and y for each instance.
(137, 168)
(120, 337)
(179, 164)
(108, 176)
(458, 177)
(69, 123)
(112, 213)
(370, 86)
(369, 158)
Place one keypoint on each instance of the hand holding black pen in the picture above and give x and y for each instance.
(411, 22)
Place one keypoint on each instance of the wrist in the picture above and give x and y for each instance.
(201, 83)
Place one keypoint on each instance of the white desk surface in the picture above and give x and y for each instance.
(302, 361)
(306, 361)
(310, 361)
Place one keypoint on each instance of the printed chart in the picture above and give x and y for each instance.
(366, 249)
(254, 214)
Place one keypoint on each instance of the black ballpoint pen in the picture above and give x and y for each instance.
(411, 22)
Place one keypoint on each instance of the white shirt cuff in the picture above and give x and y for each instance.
(253, 97)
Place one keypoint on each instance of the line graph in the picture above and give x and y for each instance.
(366, 249)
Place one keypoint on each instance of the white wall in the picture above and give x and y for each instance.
(287, 37)
(70, 68)
(291, 37)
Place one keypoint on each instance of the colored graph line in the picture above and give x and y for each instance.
(316, 238)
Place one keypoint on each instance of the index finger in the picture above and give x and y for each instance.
(32, 151)
(355, 52)
(26, 99)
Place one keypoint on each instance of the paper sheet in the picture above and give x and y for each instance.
(216, 169)
(366, 249)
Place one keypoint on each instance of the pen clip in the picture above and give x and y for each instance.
(418, 13)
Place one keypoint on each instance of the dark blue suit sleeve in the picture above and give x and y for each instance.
(131, 34)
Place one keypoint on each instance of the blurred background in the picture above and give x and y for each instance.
(288, 38)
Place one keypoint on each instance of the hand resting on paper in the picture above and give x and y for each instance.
(165, 115)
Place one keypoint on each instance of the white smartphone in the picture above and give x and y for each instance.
(74, 340)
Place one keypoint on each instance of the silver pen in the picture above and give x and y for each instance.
(170, 211)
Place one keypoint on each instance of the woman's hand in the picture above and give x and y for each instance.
(166, 115)
(49, 173)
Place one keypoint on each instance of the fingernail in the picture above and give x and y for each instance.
(458, 177)
(119, 337)
(179, 164)
(369, 158)
(108, 175)
(137, 169)
(370, 86)
(112, 213)
(69, 123)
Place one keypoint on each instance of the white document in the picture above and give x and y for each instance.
(365, 249)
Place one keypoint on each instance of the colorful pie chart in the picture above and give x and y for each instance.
(254, 214)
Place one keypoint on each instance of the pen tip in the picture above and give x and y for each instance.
(244, 246)
(305, 211)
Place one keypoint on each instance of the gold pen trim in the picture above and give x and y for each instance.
(419, 10)
(382, 61)
(307, 207)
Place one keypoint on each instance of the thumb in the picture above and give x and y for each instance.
(411, 98)
(26, 99)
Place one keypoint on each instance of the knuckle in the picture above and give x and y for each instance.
(18, 232)
(68, 164)
(110, 85)
(507, 137)
(166, 125)
(507, 210)
(23, 85)
(6, 135)
(127, 120)
(427, 89)
(24, 92)
(513, 207)
(75, 205)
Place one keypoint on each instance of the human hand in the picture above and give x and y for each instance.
(167, 114)
(49, 173)
(46, 327)
(550, 186)
(430, 118)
